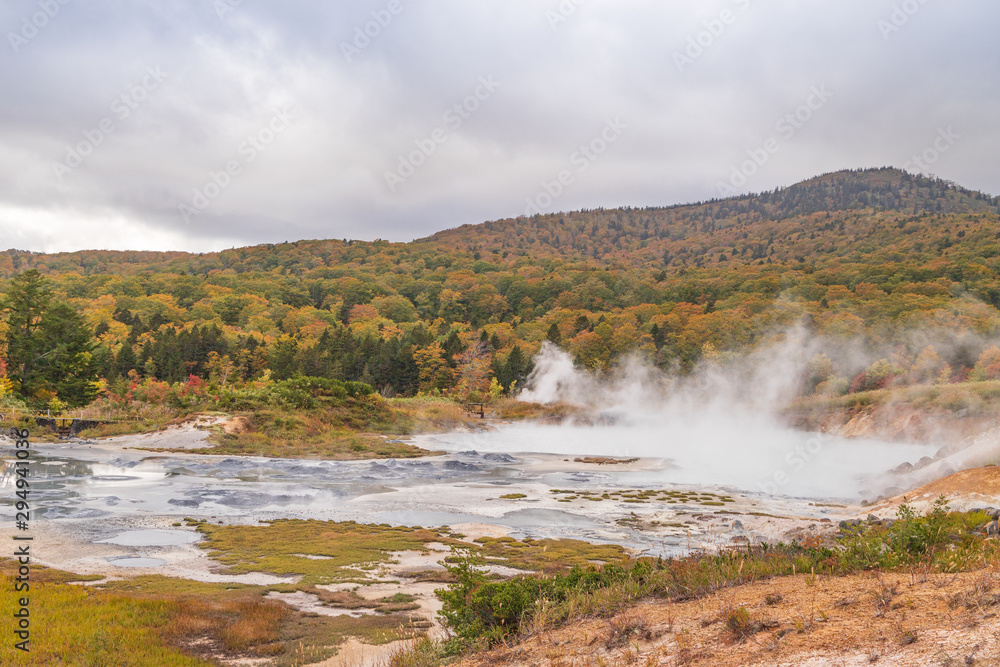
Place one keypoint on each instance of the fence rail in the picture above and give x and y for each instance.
(64, 424)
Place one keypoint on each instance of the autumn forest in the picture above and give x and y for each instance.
(903, 266)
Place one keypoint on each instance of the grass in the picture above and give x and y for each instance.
(628, 628)
(513, 409)
(157, 620)
(547, 555)
(644, 496)
(976, 397)
(80, 626)
(328, 444)
(351, 551)
(604, 460)
(349, 429)
(431, 414)
(72, 625)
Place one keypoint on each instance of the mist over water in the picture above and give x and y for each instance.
(717, 426)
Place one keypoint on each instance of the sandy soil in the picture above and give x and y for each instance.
(192, 434)
(818, 622)
(965, 490)
(356, 654)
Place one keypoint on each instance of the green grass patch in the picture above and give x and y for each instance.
(548, 555)
(350, 550)
(71, 625)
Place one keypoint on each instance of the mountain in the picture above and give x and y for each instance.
(871, 256)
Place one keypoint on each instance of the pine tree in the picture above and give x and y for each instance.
(49, 346)
(554, 335)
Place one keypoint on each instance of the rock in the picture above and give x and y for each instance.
(994, 514)
(902, 468)
(738, 525)
(925, 461)
(873, 519)
(992, 528)
(459, 465)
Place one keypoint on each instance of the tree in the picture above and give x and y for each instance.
(474, 372)
(49, 346)
(433, 368)
(988, 365)
(514, 369)
(554, 335)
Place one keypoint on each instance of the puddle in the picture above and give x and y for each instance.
(136, 561)
(152, 538)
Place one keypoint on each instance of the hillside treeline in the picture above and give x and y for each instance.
(900, 265)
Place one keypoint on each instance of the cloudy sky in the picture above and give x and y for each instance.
(205, 124)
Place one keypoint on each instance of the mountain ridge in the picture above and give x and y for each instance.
(878, 190)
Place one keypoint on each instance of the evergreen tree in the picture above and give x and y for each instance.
(554, 335)
(49, 347)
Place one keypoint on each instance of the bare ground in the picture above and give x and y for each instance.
(902, 620)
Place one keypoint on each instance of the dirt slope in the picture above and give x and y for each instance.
(898, 619)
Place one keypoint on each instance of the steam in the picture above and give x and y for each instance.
(758, 382)
(719, 425)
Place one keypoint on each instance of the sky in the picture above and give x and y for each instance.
(200, 125)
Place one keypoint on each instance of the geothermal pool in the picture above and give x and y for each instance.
(110, 495)
(771, 461)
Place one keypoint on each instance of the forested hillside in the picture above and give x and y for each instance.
(902, 263)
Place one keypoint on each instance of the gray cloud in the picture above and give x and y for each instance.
(323, 174)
